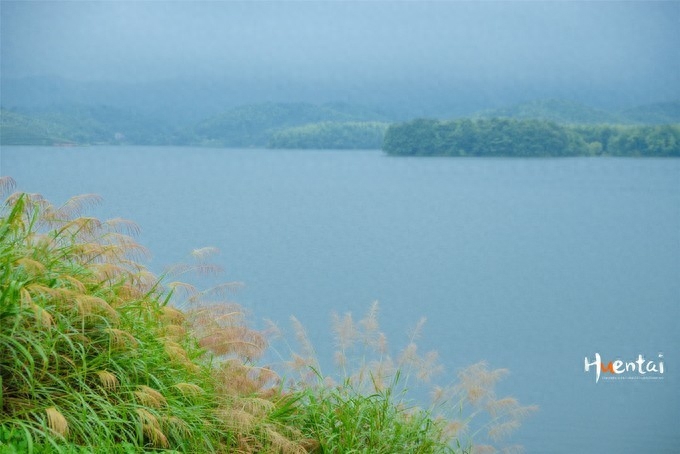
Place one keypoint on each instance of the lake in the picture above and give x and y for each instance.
(529, 264)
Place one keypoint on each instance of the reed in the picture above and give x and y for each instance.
(367, 403)
(99, 355)
(94, 357)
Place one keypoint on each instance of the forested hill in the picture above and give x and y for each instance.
(569, 112)
(528, 138)
(255, 125)
(251, 125)
(21, 129)
(85, 125)
(558, 111)
(301, 125)
(331, 135)
(659, 113)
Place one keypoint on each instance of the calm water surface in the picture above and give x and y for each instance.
(531, 265)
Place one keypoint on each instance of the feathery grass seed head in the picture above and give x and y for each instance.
(107, 379)
(120, 338)
(149, 397)
(56, 421)
(345, 330)
(188, 389)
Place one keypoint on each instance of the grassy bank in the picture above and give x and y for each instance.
(99, 355)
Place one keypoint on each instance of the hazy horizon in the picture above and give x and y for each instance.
(428, 56)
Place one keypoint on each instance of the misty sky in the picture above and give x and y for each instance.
(614, 46)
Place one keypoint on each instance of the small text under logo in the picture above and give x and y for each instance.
(636, 369)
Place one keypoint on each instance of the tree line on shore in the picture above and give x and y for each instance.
(528, 138)
(540, 128)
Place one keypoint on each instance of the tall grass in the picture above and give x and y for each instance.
(367, 403)
(99, 355)
(92, 354)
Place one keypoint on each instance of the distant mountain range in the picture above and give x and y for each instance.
(254, 125)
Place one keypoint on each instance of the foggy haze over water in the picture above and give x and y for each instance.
(422, 56)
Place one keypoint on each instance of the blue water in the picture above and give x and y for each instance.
(529, 264)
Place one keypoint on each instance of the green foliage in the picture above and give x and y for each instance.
(91, 355)
(302, 125)
(366, 406)
(657, 141)
(495, 137)
(255, 125)
(528, 138)
(96, 356)
(85, 125)
(18, 129)
(653, 114)
(348, 420)
(331, 135)
(557, 111)
(574, 113)
(107, 124)
(245, 126)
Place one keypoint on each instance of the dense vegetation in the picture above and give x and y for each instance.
(331, 135)
(657, 141)
(497, 137)
(85, 125)
(97, 355)
(256, 125)
(573, 113)
(527, 138)
(539, 128)
(558, 111)
(18, 129)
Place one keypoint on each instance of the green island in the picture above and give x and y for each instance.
(528, 138)
(98, 355)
